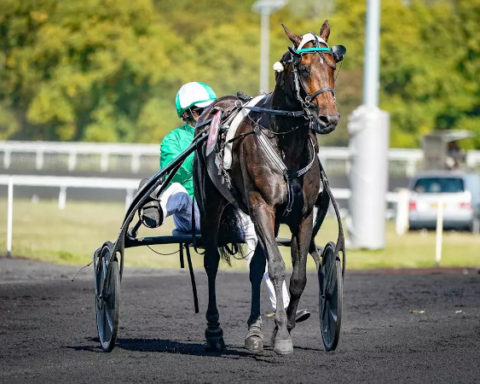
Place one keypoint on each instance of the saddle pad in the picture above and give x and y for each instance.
(213, 132)
(227, 156)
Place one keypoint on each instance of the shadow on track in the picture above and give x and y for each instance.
(179, 348)
(171, 346)
(161, 345)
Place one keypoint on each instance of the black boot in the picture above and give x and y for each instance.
(151, 213)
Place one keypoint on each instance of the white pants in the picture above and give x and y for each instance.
(176, 201)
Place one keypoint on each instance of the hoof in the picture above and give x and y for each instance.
(301, 315)
(254, 344)
(215, 345)
(283, 347)
(215, 341)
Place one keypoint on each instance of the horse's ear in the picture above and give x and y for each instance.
(295, 39)
(338, 51)
(325, 30)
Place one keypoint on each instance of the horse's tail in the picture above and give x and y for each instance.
(229, 239)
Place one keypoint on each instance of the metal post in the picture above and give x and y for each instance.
(135, 162)
(72, 161)
(439, 233)
(372, 56)
(104, 161)
(129, 198)
(264, 50)
(39, 160)
(6, 159)
(62, 197)
(265, 8)
(9, 217)
(369, 136)
(401, 216)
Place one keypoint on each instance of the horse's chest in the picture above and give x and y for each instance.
(270, 183)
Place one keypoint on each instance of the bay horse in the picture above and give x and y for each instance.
(274, 177)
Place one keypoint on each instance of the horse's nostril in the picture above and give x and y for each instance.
(334, 118)
(329, 119)
(323, 119)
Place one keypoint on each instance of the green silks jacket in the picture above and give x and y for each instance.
(174, 143)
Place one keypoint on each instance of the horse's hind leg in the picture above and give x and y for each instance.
(209, 228)
(213, 333)
(254, 338)
(301, 241)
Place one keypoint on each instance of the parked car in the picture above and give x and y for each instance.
(458, 191)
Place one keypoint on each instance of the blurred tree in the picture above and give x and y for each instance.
(83, 70)
(108, 70)
(430, 60)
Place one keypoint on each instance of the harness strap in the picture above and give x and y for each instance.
(270, 152)
(312, 96)
(305, 169)
(280, 165)
(279, 112)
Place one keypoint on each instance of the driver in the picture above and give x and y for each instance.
(177, 200)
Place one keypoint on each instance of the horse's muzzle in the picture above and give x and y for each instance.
(325, 123)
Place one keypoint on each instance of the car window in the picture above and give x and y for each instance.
(439, 185)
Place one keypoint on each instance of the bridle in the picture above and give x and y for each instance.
(306, 102)
(295, 58)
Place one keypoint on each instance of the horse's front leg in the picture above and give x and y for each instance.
(301, 239)
(254, 338)
(264, 219)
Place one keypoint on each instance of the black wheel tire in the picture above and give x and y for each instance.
(107, 305)
(331, 297)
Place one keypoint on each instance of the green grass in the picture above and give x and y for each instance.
(43, 232)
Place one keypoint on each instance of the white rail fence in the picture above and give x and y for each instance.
(74, 150)
(408, 159)
(128, 185)
(62, 183)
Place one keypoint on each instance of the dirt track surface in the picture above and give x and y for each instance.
(406, 327)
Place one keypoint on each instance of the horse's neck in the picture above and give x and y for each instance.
(295, 146)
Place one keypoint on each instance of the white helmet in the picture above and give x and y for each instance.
(193, 94)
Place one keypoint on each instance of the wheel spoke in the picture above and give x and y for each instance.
(109, 321)
(330, 290)
(333, 316)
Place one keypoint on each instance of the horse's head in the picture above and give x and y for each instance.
(309, 69)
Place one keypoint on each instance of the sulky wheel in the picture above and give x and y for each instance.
(107, 295)
(331, 297)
